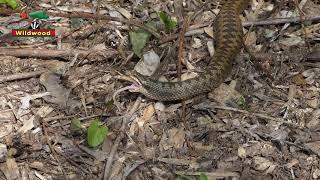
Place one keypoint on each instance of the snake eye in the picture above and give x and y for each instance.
(140, 79)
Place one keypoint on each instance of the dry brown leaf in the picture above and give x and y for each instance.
(314, 146)
(299, 80)
(7, 116)
(261, 163)
(316, 173)
(10, 169)
(125, 13)
(210, 48)
(242, 153)
(251, 39)
(225, 94)
(291, 41)
(3, 152)
(117, 167)
(196, 43)
(147, 114)
(173, 138)
(292, 163)
(5, 129)
(27, 125)
(314, 122)
(310, 8)
(58, 93)
(313, 103)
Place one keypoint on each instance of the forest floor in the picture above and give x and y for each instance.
(263, 122)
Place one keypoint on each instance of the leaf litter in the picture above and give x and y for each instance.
(262, 122)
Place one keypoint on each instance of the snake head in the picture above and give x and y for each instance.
(137, 80)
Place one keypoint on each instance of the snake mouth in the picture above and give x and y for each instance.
(135, 81)
(134, 87)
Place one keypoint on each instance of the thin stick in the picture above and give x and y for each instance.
(44, 126)
(19, 76)
(216, 173)
(180, 56)
(262, 116)
(134, 167)
(55, 53)
(131, 22)
(275, 21)
(256, 23)
(302, 24)
(125, 118)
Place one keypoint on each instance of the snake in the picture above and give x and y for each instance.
(228, 38)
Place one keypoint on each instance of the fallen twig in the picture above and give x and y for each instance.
(301, 15)
(218, 173)
(54, 153)
(179, 162)
(54, 53)
(248, 24)
(19, 76)
(131, 22)
(275, 21)
(125, 118)
(179, 61)
(132, 168)
(262, 116)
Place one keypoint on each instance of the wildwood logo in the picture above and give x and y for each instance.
(34, 32)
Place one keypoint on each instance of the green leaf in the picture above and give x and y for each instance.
(76, 127)
(39, 14)
(75, 124)
(139, 38)
(243, 103)
(152, 25)
(96, 133)
(75, 22)
(203, 176)
(186, 177)
(167, 21)
(11, 3)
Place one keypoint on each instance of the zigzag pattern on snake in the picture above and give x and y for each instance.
(228, 43)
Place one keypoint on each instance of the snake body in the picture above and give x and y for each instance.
(228, 43)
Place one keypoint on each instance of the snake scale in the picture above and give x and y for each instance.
(228, 43)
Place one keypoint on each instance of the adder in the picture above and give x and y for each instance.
(229, 40)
